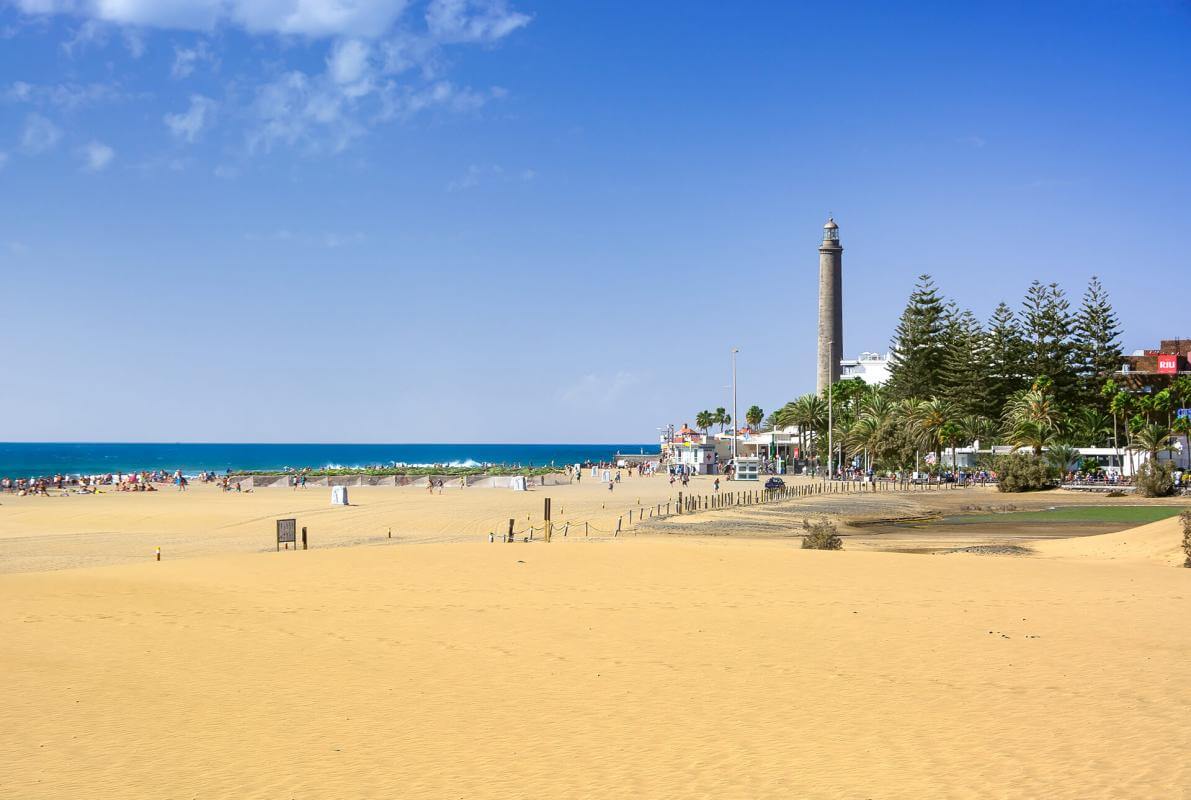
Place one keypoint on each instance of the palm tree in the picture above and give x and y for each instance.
(1150, 438)
(1062, 457)
(1033, 434)
(1182, 427)
(1036, 405)
(1120, 406)
(721, 417)
(704, 420)
(974, 428)
(1091, 427)
(933, 424)
(809, 413)
(754, 416)
(870, 434)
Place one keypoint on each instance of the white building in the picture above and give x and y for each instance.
(872, 368)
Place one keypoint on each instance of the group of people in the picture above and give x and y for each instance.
(142, 481)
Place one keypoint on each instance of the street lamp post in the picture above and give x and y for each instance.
(735, 418)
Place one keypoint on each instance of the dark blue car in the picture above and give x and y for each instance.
(775, 483)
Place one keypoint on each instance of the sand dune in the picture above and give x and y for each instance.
(436, 665)
(44, 533)
(1158, 543)
(630, 668)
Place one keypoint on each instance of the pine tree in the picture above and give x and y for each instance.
(964, 363)
(918, 344)
(1005, 355)
(1097, 341)
(1046, 327)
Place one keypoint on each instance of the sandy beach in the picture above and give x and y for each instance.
(435, 664)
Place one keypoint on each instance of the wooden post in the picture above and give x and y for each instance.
(510, 531)
(304, 536)
(547, 526)
(678, 505)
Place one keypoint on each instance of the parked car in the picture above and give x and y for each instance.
(775, 483)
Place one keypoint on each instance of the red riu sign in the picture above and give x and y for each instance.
(1168, 363)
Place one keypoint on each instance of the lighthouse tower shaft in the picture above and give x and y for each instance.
(831, 307)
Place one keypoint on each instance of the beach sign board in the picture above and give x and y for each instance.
(1184, 412)
(287, 533)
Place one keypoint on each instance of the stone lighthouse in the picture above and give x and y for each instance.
(831, 306)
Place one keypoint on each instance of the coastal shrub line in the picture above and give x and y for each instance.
(457, 472)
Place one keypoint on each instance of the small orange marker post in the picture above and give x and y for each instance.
(158, 553)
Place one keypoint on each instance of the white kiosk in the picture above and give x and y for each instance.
(748, 468)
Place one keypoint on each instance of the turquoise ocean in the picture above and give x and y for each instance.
(35, 459)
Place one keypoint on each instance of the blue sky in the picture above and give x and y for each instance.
(472, 220)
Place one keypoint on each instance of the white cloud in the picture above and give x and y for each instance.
(313, 18)
(402, 52)
(320, 110)
(469, 179)
(65, 96)
(187, 58)
(134, 42)
(298, 110)
(226, 172)
(91, 32)
(187, 125)
(406, 102)
(472, 20)
(39, 135)
(348, 66)
(96, 156)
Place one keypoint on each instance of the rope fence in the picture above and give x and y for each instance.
(688, 504)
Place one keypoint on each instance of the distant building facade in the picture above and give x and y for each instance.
(1173, 357)
(872, 368)
(1155, 369)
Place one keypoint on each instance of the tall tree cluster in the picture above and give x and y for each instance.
(943, 352)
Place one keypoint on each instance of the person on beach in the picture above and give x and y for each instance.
(717, 484)
(610, 485)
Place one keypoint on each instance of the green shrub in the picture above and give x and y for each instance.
(1024, 472)
(1186, 518)
(821, 536)
(1155, 480)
